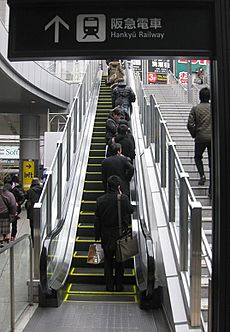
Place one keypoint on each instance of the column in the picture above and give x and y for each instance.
(221, 170)
(30, 141)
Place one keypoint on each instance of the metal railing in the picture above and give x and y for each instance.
(52, 207)
(191, 96)
(183, 211)
(16, 281)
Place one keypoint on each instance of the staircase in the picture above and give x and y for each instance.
(86, 281)
(175, 113)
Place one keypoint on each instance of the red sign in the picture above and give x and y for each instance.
(183, 77)
(152, 77)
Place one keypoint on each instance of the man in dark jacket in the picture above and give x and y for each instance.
(112, 124)
(32, 196)
(106, 228)
(123, 96)
(200, 128)
(127, 144)
(119, 165)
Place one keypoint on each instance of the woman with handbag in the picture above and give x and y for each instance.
(107, 229)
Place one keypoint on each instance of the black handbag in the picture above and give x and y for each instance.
(127, 245)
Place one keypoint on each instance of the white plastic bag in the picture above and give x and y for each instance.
(95, 254)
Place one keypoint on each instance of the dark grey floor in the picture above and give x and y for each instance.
(98, 317)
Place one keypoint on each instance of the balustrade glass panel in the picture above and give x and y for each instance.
(22, 275)
(5, 291)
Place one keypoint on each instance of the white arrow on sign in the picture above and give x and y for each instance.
(57, 21)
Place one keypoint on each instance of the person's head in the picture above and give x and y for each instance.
(15, 179)
(204, 95)
(116, 113)
(115, 149)
(113, 183)
(35, 182)
(122, 129)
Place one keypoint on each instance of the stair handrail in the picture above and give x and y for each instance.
(155, 132)
(181, 89)
(56, 202)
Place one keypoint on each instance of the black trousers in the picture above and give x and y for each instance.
(199, 150)
(109, 264)
(14, 228)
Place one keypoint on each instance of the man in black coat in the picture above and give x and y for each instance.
(32, 195)
(112, 124)
(200, 127)
(119, 165)
(126, 140)
(123, 96)
(107, 228)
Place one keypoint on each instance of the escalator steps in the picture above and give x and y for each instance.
(86, 281)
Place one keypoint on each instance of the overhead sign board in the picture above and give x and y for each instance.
(83, 30)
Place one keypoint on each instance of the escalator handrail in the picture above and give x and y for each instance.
(47, 289)
(149, 251)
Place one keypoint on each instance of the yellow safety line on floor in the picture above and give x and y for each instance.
(80, 256)
(85, 226)
(97, 138)
(85, 241)
(96, 157)
(88, 274)
(88, 202)
(96, 274)
(94, 164)
(101, 292)
(110, 302)
(69, 287)
(93, 191)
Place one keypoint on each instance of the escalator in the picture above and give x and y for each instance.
(64, 272)
(85, 282)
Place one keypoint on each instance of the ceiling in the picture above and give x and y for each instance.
(16, 99)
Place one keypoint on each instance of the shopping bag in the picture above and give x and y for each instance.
(95, 254)
(127, 247)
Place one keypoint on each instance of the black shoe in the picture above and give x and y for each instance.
(202, 180)
(109, 289)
